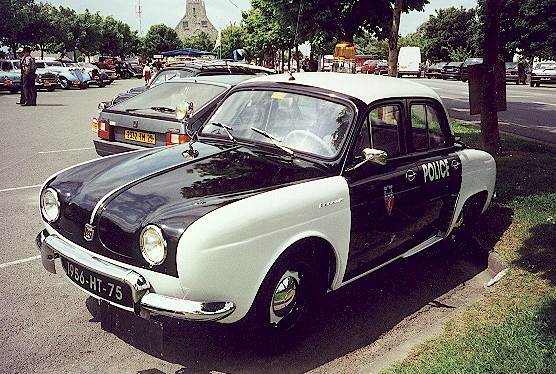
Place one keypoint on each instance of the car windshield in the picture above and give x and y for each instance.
(511, 65)
(302, 123)
(40, 65)
(16, 65)
(454, 64)
(473, 61)
(53, 63)
(170, 95)
(167, 75)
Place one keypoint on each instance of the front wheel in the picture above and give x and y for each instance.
(64, 83)
(285, 300)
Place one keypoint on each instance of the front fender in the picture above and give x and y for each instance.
(226, 254)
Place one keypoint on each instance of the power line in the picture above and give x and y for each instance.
(231, 2)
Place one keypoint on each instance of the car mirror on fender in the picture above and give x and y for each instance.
(375, 156)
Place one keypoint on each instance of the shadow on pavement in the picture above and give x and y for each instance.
(350, 318)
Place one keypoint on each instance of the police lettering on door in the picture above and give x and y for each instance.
(436, 170)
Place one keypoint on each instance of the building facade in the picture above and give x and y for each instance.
(195, 21)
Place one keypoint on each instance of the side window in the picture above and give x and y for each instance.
(6, 65)
(385, 121)
(426, 131)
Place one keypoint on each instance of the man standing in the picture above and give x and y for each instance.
(29, 75)
(22, 93)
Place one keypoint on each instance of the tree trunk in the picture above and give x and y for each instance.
(42, 51)
(393, 39)
(490, 136)
(282, 60)
(297, 58)
(290, 59)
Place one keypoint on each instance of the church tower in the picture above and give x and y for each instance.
(195, 20)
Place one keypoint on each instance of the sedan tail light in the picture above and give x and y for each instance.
(173, 138)
(105, 131)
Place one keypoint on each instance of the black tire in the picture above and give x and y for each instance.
(101, 85)
(50, 89)
(532, 84)
(64, 83)
(282, 324)
(469, 216)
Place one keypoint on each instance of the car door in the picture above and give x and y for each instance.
(395, 207)
(436, 168)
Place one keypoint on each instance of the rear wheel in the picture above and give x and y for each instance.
(469, 216)
(50, 89)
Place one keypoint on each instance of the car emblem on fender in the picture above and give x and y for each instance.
(455, 164)
(89, 232)
(135, 124)
(389, 199)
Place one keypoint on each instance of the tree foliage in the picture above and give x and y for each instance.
(201, 41)
(233, 37)
(160, 38)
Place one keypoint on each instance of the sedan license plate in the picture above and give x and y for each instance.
(138, 136)
(97, 284)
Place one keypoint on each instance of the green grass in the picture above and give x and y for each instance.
(512, 329)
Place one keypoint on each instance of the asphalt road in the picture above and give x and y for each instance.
(49, 326)
(531, 110)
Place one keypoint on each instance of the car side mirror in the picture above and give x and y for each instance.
(375, 156)
(184, 111)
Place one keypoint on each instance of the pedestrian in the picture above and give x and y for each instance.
(21, 91)
(29, 68)
(147, 73)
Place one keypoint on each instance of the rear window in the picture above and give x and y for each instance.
(169, 95)
(454, 64)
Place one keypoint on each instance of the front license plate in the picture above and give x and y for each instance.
(46, 83)
(97, 284)
(138, 136)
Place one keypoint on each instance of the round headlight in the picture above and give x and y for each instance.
(50, 205)
(153, 245)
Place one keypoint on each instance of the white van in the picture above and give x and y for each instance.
(409, 61)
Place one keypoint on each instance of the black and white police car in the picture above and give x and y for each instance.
(295, 186)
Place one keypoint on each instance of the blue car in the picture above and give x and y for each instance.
(67, 76)
(10, 76)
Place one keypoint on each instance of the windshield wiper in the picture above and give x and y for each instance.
(226, 128)
(155, 108)
(274, 139)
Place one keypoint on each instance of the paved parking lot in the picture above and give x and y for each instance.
(49, 326)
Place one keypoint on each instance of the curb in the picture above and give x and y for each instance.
(497, 266)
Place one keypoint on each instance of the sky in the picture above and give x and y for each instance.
(220, 12)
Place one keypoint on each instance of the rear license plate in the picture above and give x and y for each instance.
(138, 136)
(97, 284)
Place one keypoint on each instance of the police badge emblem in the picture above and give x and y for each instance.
(89, 232)
(389, 199)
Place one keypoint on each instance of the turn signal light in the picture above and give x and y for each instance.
(94, 125)
(105, 131)
(172, 138)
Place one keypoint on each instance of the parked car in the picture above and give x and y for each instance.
(149, 119)
(67, 77)
(194, 69)
(452, 70)
(10, 76)
(10, 81)
(435, 70)
(369, 66)
(465, 67)
(292, 189)
(104, 67)
(543, 72)
(98, 77)
(515, 73)
(381, 68)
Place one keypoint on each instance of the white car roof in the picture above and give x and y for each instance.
(365, 87)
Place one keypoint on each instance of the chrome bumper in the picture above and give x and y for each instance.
(145, 301)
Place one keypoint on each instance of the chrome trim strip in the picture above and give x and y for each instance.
(186, 309)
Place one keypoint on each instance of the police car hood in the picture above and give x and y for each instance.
(166, 187)
(544, 71)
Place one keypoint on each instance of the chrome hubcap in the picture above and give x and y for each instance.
(284, 297)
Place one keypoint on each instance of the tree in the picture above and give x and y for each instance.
(232, 37)
(370, 45)
(111, 40)
(201, 41)
(160, 38)
(89, 39)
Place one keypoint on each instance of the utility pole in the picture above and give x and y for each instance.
(139, 12)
